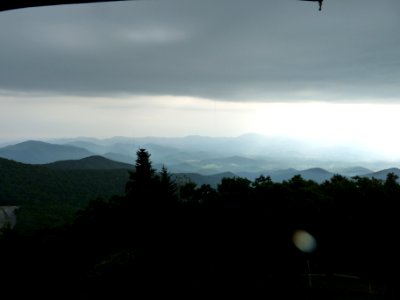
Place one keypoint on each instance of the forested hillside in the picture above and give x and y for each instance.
(295, 239)
(49, 197)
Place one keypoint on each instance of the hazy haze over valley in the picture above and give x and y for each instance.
(248, 155)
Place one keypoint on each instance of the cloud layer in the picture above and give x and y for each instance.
(236, 50)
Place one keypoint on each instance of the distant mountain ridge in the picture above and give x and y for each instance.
(95, 162)
(316, 174)
(249, 153)
(212, 180)
(383, 173)
(36, 152)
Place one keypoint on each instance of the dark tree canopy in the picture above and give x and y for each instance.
(236, 238)
(143, 177)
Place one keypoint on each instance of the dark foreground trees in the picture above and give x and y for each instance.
(230, 240)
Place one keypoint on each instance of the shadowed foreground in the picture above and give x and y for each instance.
(235, 240)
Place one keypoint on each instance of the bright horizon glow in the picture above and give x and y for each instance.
(373, 126)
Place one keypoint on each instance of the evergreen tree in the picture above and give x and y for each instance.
(166, 182)
(168, 186)
(143, 177)
(187, 191)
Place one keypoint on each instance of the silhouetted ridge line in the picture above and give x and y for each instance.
(95, 162)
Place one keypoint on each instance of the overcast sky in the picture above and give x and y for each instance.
(209, 67)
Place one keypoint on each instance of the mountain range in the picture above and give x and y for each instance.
(316, 174)
(52, 193)
(99, 163)
(248, 155)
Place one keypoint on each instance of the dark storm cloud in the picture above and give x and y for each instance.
(221, 49)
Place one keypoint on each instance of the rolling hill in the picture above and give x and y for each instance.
(383, 173)
(95, 162)
(36, 152)
(212, 180)
(316, 174)
(50, 197)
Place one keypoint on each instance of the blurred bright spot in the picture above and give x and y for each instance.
(304, 241)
